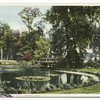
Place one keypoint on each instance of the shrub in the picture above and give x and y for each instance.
(62, 63)
(57, 89)
(73, 85)
(67, 86)
(89, 63)
(20, 91)
(96, 64)
(33, 90)
(46, 88)
(11, 90)
(27, 57)
(59, 86)
(90, 82)
(85, 84)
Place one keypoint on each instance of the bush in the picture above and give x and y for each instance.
(20, 91)
(60, 86)
(96, 64)
(90, 63)
(90, 82)
(46, 88)
(62, 63)
(27, 57)
(67, 86)
(73, 85)
(85, 84)
(11, 90)
(33, 90)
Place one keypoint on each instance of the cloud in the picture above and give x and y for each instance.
(16, 26)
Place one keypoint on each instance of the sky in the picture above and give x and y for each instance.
(9, 14)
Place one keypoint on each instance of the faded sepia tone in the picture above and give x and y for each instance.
(49, 49)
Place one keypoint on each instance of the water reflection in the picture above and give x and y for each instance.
(32, 86)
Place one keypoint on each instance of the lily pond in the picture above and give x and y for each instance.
(36, 80)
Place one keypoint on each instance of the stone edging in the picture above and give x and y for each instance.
(80, 73)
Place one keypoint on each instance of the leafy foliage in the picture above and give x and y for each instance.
(62, 63)
(89, 63)
(33, 44)
(72, 30)
(28, 14)
(42, 49)
(27, 42)
(4, 27)
(27, 57)
(95, 42)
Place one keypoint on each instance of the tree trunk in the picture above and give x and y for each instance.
(95, 56)
(67, 36)
(99, 53)
(7, 55)
(1, 53)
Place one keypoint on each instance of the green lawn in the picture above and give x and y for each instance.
(94, 89)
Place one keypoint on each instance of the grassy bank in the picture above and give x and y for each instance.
(8, 62)
(94, 89)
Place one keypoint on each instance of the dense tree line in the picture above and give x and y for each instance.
(16, 45)
(26, 45)
(74, 28)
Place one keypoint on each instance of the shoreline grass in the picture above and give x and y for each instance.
(93, 89)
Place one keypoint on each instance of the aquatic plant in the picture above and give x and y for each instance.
(33, 78)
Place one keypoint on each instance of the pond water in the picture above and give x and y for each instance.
(36, 79)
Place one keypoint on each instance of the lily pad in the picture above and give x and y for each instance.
(33, 78)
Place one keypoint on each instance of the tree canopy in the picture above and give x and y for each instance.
(72, 30)
(28, 15)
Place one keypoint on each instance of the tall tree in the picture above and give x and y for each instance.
(4, 27)
(72, 28)
(95, 42)
(28, 15)
(7, 42)
(42, 49)
(15, 37)
(28, 42)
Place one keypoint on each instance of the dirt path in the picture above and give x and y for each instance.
(96, 78)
